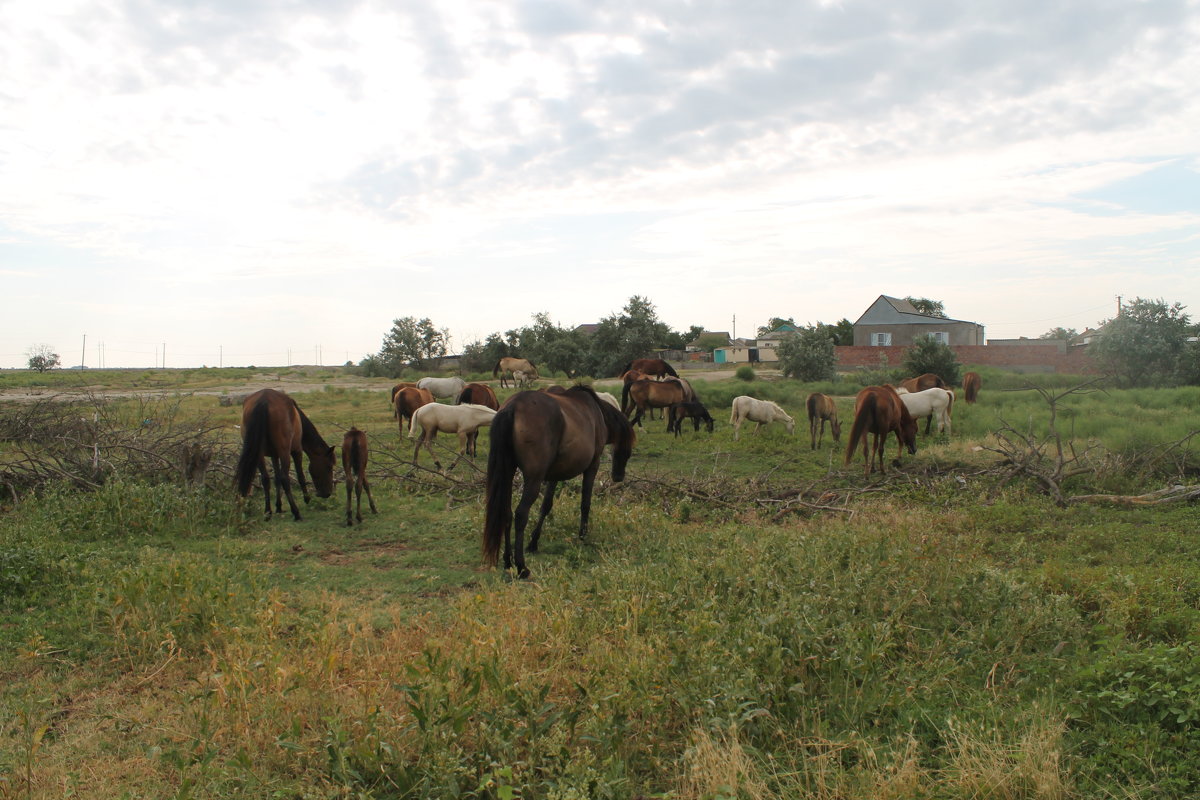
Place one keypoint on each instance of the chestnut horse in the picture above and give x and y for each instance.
(821, 408)
(878, 411)
(479, 394)
(971, 385)
(647, 394)
(274, 427)
(923, 382)
(651, 366)
(396, 388)
(506, 366)
(551, 437)
(408, 400)
(354, 464)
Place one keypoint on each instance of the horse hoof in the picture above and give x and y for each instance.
(523, 574)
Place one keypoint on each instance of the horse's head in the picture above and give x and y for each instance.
(836, 427)
(320, 469)
(709, 422)
(908, 434)
(789, 423)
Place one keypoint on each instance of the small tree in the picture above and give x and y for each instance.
(775, 324)
(412, 341)
(930, 308)
(1058, 332)
(1144, 345)
(42, 357)
(927, 354)
(808, 355)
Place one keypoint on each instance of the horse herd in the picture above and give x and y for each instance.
(555, 434)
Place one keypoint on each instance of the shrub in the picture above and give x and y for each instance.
(808, 355)
(744, 373)
(929, 355)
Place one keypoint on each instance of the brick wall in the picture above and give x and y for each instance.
(1024, 358)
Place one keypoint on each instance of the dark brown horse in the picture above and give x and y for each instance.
(479, 394)
(354, 464)
(274, 427)
(646, 394)
(654, 367)
(878, 411)
(407, 401)
(694, 409)
(821, 407)
(551, 437)
(971, 386)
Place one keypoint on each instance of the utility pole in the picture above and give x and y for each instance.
(733, 333)
(221, 355)
(1118, 305)
(83, 355)
(164, 366)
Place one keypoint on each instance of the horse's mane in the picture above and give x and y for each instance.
(309, 435)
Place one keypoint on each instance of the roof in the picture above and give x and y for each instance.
(892, 310)
(588, 327)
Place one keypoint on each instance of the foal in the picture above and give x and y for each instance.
(354, 462)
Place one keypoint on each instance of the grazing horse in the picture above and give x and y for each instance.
(931, 402)
(354, 464)
(442, 387)
(551, 437)
(408, 400)
(398, 387)
(821, 408)
(971, 385)
(689, 408)
(274, 427)
(651, 366)
(506, 366)
(433, 418)
(923, 382)
(627, 379)
(479, 394)
(764, 412)
(645, 394)
(878, 410)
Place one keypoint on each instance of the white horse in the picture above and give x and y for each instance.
(521, 378)
(605, 397)
(763, 412)
(442, 387)
(930, 403)
(465, 419)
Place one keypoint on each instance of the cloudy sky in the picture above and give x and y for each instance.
(275, 182)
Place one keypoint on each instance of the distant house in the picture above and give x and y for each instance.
(708, 339)
(588, 327)
(747, 351)
(892, 322)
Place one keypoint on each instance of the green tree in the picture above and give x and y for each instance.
(842, 332)
(482, 356)
(930, 308)
(635, 333)
(412, 341)
(808, 354)
(42, 357)
(711, 341)
(775, 323)
(1059, 332)
(1144, 345)
(929, 355)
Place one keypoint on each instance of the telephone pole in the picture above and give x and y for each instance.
(83, 355)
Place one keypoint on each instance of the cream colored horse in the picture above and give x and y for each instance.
(763, 412)
(465, 419)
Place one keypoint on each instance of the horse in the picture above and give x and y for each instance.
(821, 408)
(479, 394)
(551, 437)
(274, 427)
(931, 402)
(608, 398)
(645, 393)
(923, 382)
(879, 410)
(651, 366)
(764, 412)
(689, 408)
(354, 464)
(408, 400)
(627, 379)
(520, 379)
(442, 387)
(971, 386)
(433, 418)
(396, 388)
(509, 364)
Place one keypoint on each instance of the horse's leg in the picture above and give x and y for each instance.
(266, 484)
(585, 503)
(928, 423)
(349, 519)
(547, 506)
(281, 476)
(298, 460)
(367, 485)
(520, 519)
(358, 484)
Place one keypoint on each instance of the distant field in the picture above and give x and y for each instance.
(747, 619)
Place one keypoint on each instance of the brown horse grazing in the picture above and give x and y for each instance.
(923, 382)
(354, 464)
(655, 367)
(408, 400)
(274, 427)
(506, 366)
(551, 437)
(879, 411)
(627, 379)
(678, 412)
(645, 394)
(479, 394)
(821, 408)
(396, 388)
(971, 386)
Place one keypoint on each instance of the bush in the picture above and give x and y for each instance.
(808, 355)
(929, 355)
(744, 373)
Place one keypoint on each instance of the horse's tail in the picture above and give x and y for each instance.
(496, 370)
(253, 436)
(415, 427)
(813, 406)
(356, 458)
(625, 397)
(625, 369)
(502, 465)
(733, 414)
(458, 401)
(670, 370)
(859, 428)
(949, 402)
(971, 387)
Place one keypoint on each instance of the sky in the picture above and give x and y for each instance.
(240, 182)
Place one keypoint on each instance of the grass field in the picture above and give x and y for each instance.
(747, 619)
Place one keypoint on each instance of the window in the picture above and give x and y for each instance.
(941, 337)
(881, 340)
